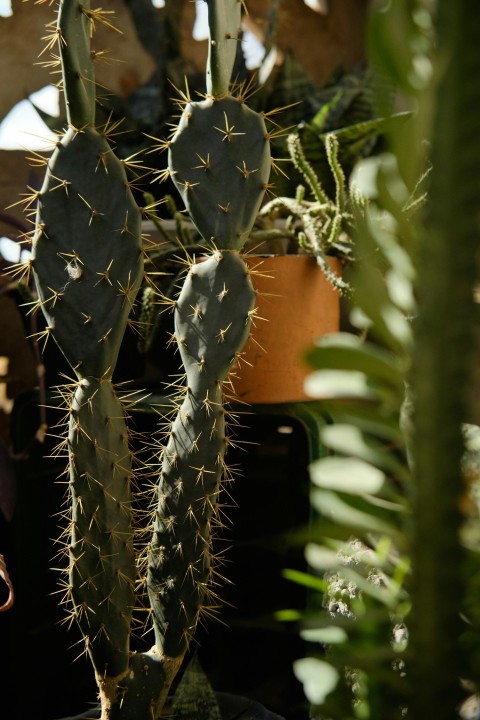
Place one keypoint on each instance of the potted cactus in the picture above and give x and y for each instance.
(88, 265)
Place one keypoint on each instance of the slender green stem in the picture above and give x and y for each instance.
(443, 352)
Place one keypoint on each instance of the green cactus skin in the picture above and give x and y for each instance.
(219, 160)
(224, 22)
(87, 254)
(102, 569)
(212, 322)
(77, 68)
(88, 265)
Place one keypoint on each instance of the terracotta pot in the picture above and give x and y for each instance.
(299, 305)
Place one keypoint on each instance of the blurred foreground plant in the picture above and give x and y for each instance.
(398, 398)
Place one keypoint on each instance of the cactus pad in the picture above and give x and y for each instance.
(87, 256)
(212, 321)
(219, 159)
(102, 566)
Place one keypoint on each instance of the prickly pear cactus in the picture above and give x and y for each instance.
(87, 262)
(219, 159)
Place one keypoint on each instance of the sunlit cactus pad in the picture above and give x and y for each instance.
(219, 159)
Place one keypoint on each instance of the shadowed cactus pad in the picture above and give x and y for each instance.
(219, 159)
(102, 567)
(87, 256)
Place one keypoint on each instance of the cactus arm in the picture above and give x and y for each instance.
(87, 263)
(212, 320)
(102, 571)
(73, 34)
(224, 17)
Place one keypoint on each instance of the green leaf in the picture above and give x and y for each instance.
(344, 351)
(319, 678)
(321, 558)
(400, 289)
(333, 384)
(332, 635)
(306, 579)
(288, 615)
(351, 441)
(389, 323)
(386, 595)
(331, 505)
(347, 474)
(194, 696)
(366, 417)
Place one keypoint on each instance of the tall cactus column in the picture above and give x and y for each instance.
(212, 321)
(219, 160)
(87, 262)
